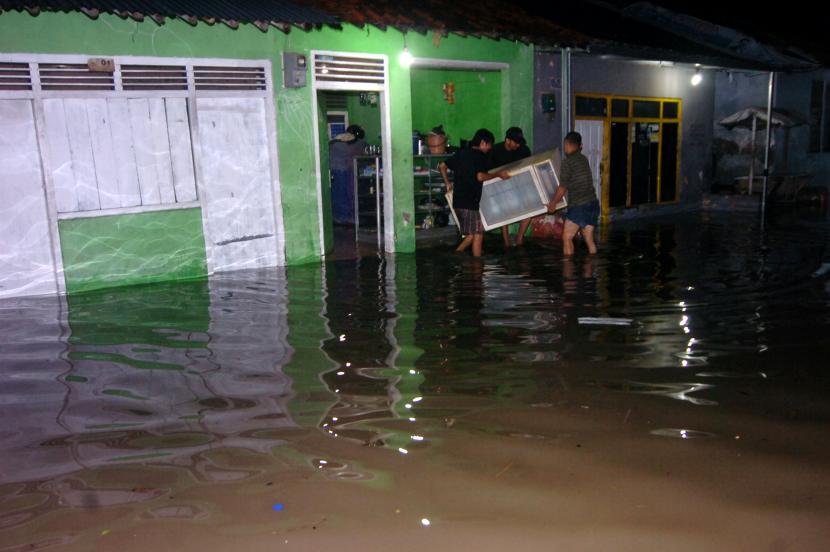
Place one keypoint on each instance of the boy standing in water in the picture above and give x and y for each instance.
(583, 207)
(470, 166)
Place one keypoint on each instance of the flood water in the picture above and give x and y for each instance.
(436, 401)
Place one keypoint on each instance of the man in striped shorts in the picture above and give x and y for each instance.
(470, 166)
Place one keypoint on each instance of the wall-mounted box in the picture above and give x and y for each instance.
(549, 103)
(294, 70)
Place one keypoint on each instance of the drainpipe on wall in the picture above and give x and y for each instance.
(567, 113)
(752, 155)
(770, 93)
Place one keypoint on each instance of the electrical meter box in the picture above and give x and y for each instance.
(293, 70)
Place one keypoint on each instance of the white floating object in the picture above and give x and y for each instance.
(425, 522)
(605, 321)
(822, 270)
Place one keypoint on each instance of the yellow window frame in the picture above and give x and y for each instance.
(631, 119)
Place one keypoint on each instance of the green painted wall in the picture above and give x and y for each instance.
(477, 102)
(132, 249)
(121, 317)
(366, 116)
(75, 33)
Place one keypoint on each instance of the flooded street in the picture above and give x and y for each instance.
(436, 401)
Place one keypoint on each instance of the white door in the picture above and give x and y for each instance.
(76, 143)
(26, 264)
(235, 183)
(592, 134)
(112, 153)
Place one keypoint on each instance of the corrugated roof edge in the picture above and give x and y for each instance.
(285, 26)
(320, 19)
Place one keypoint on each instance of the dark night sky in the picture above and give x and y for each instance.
(795, 26)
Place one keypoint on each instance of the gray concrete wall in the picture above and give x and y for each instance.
(793, 95)
(738, 90)
(547, 72)
(601, 76)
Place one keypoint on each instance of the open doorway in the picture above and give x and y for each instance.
(354, 179)
(450, 101)
(354, 168)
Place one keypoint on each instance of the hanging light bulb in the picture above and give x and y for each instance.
(406, 58)
(697, 78)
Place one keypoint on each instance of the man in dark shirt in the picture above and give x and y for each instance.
(514, 148)
(470, 167)
(583, 207)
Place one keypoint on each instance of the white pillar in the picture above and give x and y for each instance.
(770, 93)
(752, 155)
(567, 96)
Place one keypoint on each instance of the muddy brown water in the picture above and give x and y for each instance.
(433, 401)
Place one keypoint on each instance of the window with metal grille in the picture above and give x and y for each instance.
(15, 76)
(229, 78)
(154, 77)
(337, 68)
(73, 76)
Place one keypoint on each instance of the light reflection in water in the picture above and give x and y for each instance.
(211, 379)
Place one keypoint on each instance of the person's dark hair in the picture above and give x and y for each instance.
(357, 131)
(482, 135)
(516, 134)
(574, 138)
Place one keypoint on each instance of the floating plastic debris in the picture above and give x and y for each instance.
(822, 270)
(589, 321)
(278, 507)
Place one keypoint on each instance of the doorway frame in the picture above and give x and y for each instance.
(631, 120)
(386, 139)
